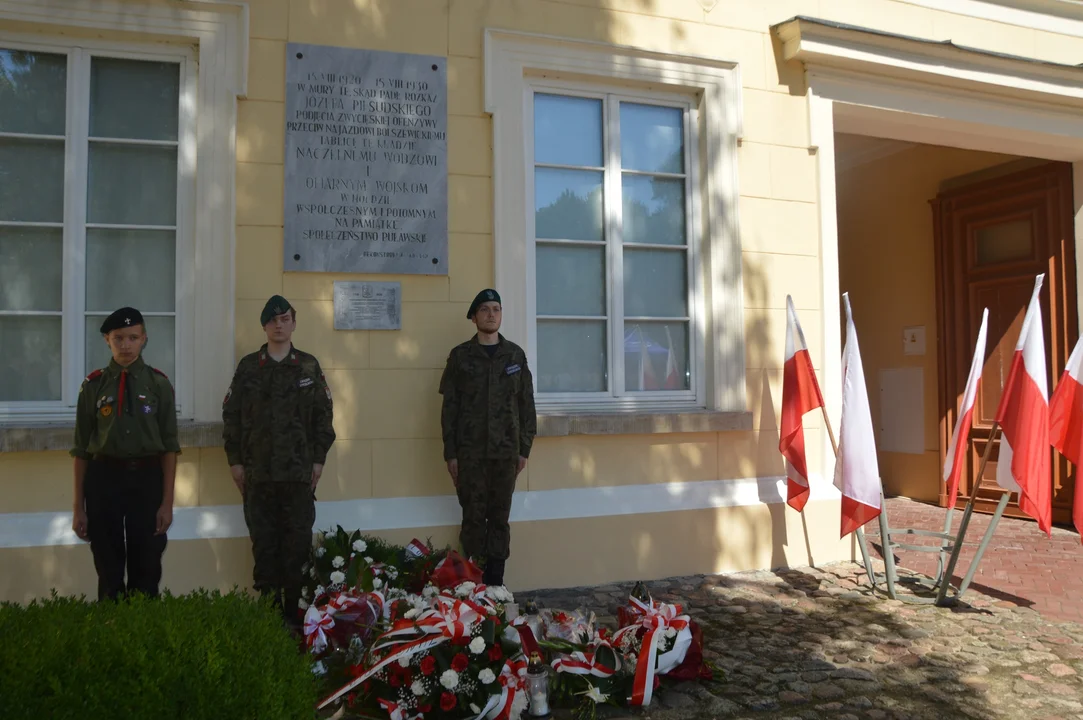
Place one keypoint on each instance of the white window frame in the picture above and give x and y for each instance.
(77, 138)
(214, 34)
(516, 65)
(617, 397)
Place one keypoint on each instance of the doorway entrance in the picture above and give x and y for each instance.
(991, 238)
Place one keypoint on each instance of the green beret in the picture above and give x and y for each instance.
(484, 296)
(125, 317)
(276, 306)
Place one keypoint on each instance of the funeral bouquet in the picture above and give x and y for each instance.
(442, 654)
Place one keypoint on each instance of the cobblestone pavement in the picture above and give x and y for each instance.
(815, 643)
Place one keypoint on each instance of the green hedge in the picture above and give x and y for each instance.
(203, 655)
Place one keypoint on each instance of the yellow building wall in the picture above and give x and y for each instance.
(386, 405)
(887, 263)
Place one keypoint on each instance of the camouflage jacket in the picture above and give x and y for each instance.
(488, 409)
(277, 417)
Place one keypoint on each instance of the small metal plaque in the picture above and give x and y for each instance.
(368, 306)
(366, 161)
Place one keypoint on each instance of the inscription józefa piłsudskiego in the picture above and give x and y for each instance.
(366, 161)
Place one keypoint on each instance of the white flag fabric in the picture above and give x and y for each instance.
(857, 471)
(956, 455)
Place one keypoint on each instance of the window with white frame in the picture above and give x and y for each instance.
(613, 241)
(95, 166)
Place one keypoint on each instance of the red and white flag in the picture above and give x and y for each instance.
(857, 471)
(647, 380)
(800, 394)
(956, 456)
(1066, 423)
(1023, 465)
(673, 376)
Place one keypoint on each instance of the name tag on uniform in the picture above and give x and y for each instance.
(305, 382)
(512, 369)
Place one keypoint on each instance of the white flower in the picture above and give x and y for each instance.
(465, 589)
(428, 591)
(302, 604)
(596, 695)
(404, 661)
(474, 708)
(477, 645)
(486, 676)
(377, 583)
(304, 592)
(312, 573)
(319, 590)
(360, 545)
(418, 688)
(321, 551)
(369, 560)
(450, 679)
(412, 613)
(518, 705)
(670, 633)
(338, 577)
(338, 561)
(319, 669)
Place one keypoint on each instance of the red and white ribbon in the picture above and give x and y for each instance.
(656, 618)
(512, 680)
(317, 623)
(580, 663)
(397, 712)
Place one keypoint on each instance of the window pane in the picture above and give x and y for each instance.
(655, 283)
(571, 356)
(136, 268)
(161, 340)
(651, 138)
(568, 204)
(134, 99)
(571, 280)
(132, 185)
(33, 88)
(656, 356)
(31, 180)
(653, 210)
(31, 269)
(567, 130)
(30, 365)
(1004, 242)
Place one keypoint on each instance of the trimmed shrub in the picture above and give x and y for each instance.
(203, 655)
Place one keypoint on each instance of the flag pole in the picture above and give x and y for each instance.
(942, 591)
(860, 531)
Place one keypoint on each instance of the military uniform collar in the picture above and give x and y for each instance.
(501, 347)
(293, 358)
(134, 369)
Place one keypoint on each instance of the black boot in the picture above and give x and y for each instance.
(494, 572)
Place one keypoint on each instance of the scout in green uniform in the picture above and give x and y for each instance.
(125, 454)
(277, 416)
(488, 424)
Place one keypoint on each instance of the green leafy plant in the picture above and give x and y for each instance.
(201, 655)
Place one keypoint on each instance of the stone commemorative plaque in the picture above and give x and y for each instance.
(368, 306)
(366, 161)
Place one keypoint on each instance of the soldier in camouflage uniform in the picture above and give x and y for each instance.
(277, 416)
(488, 423)
(125, 452)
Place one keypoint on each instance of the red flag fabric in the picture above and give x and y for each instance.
(956, 455)
(857, 469)
(1066, 423)
(800, 394)
(647, 380)
(1023, 414)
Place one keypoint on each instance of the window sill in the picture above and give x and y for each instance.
(642, 423)
(58, 436)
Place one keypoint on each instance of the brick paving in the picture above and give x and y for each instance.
(1021, 567)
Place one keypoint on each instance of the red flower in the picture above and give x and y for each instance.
(448, 701)
(357, 670)
(395, 680)
(424, 708)
(462, 642)
(459, 663)
(428, 664)
(350, 700)
(495, 653)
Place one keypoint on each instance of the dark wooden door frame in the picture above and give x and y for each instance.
(955, 340)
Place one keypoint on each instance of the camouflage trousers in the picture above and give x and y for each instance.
(485, 490)
(280, 516)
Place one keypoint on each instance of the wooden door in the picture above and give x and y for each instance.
(992, 238)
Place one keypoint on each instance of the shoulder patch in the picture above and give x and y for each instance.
(93, 376)
(160, 372)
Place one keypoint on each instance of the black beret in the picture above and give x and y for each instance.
(125, 317)
(484, 296)
(276, 306)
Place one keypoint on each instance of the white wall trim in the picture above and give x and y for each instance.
(220, 31)
(1056, 16)
(44, 529)
(510, 57)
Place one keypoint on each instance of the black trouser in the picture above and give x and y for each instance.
(280, 516)
(485, 488)
(122, 501)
